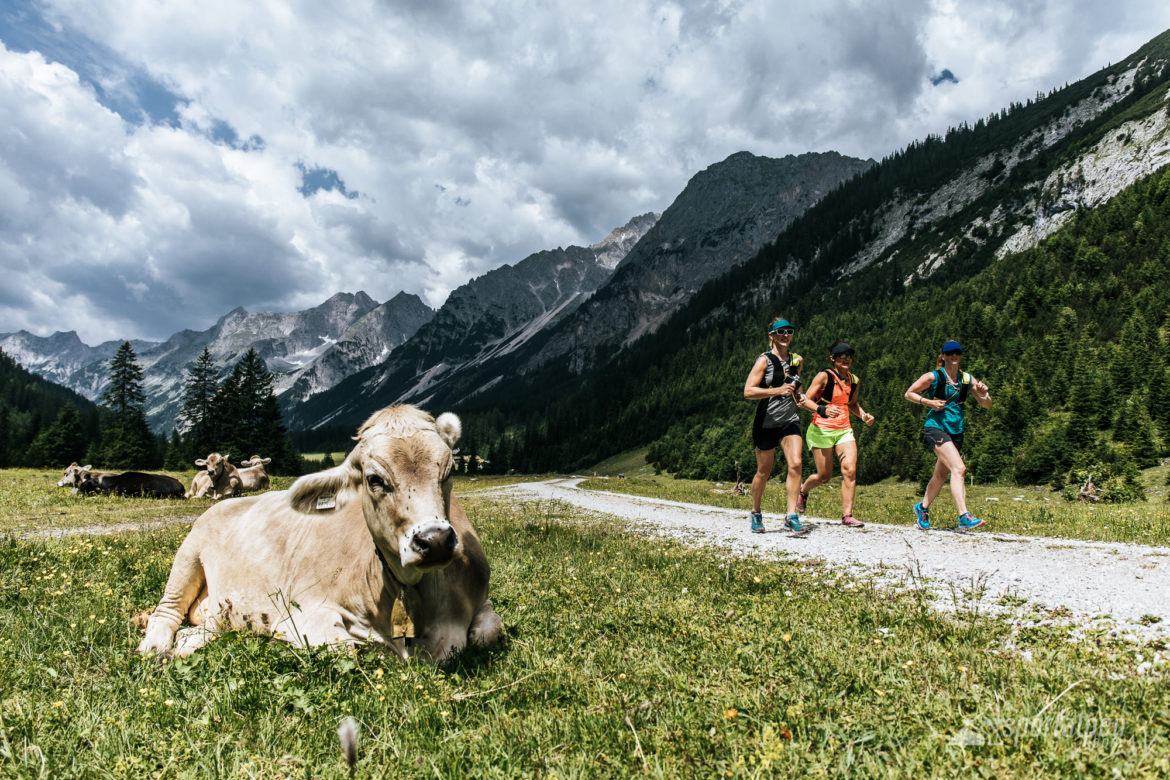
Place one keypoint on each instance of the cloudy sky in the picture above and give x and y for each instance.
(163, 162)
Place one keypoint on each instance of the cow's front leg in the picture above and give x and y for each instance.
(486, 626)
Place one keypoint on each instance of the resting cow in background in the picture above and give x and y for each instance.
(253, 477)
(75, 475)
(133, 483)
(219, 478)
(324, 562)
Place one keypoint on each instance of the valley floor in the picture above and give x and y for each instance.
(1097, 587)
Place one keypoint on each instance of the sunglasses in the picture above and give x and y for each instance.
(783, 331)
(953, 352)
(848, 354)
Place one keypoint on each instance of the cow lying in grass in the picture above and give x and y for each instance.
(132, 483)
(75, 475)
(253, 476)
(218, 479)
(324, 562)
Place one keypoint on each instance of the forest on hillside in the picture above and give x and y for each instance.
(1070, 335)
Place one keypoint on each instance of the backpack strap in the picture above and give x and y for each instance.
(828, 383)
(854, 382)
(778, 372)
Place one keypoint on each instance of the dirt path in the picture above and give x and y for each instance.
(99, 530)
(1122, 588)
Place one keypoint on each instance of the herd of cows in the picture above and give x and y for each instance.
(218, 478)
(327, 561)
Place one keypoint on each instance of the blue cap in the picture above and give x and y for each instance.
(951, 346)
(781, 323)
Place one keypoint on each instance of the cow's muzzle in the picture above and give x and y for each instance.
(434, 545)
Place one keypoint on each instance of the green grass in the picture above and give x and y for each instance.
(1029, 511)
(623, 657)
(31, 500)
(632, 464)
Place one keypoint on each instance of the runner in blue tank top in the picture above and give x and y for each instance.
(943, 391)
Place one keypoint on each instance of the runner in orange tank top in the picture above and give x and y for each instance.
(831, 432)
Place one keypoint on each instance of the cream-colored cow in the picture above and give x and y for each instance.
(325, 561)
(218, 478)
(253, 476)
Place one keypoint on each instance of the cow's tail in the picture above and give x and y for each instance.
(185, 586)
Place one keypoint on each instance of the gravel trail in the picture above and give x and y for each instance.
(1124, 588)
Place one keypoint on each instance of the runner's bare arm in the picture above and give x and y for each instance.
(914, 393)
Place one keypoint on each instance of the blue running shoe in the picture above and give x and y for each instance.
(757, 523)
(793, 524)
(967, 521)
(922, 516)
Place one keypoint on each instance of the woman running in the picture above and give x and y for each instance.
(944, 390)
(774, 381)
(831, 432)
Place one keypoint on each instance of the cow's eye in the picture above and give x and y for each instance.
(376, 483)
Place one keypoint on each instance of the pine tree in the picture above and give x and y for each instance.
(5, 434)
(249, 418)
(62, 442)
(127, 440)
(196, 414)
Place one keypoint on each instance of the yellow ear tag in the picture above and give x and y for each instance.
(326, 501)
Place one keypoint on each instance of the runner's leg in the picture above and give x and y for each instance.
(949, 455)
(847, 456)
(936, 480)
(791, 446)
(765, 459)
(823, 460)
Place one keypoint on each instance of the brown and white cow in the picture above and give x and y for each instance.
(75, 475)
(253, 476)
(324, 562)
(219, 478)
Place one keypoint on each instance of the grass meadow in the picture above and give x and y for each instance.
(625, 657)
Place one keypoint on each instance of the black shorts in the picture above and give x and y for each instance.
(769, 438)
(937, 436)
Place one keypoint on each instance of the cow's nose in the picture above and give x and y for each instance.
(435, 544)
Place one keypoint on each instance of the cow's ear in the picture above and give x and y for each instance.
(85, 468)
(266, 461)
(329, 489)
(201, 462)
(449, 427)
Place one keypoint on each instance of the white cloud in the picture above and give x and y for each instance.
(467, 134)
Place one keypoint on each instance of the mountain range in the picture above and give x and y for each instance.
(306, 351)
(335, 363)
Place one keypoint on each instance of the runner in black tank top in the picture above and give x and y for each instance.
(774, 382)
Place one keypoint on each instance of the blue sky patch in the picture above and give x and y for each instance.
(121, 86)
(945, 75)
(317, 179)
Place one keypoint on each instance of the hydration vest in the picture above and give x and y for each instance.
(938, 386)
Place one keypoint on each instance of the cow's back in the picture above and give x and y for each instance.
(260, 551)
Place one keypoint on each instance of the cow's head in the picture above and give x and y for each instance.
(400, 471)
(213, 464)
(255, 460)
(74, 475)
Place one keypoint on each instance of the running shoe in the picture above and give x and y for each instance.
(793, 524)
(967, 521)
(801, 501)
(757, 523)
(851, 521)
(922, 516)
